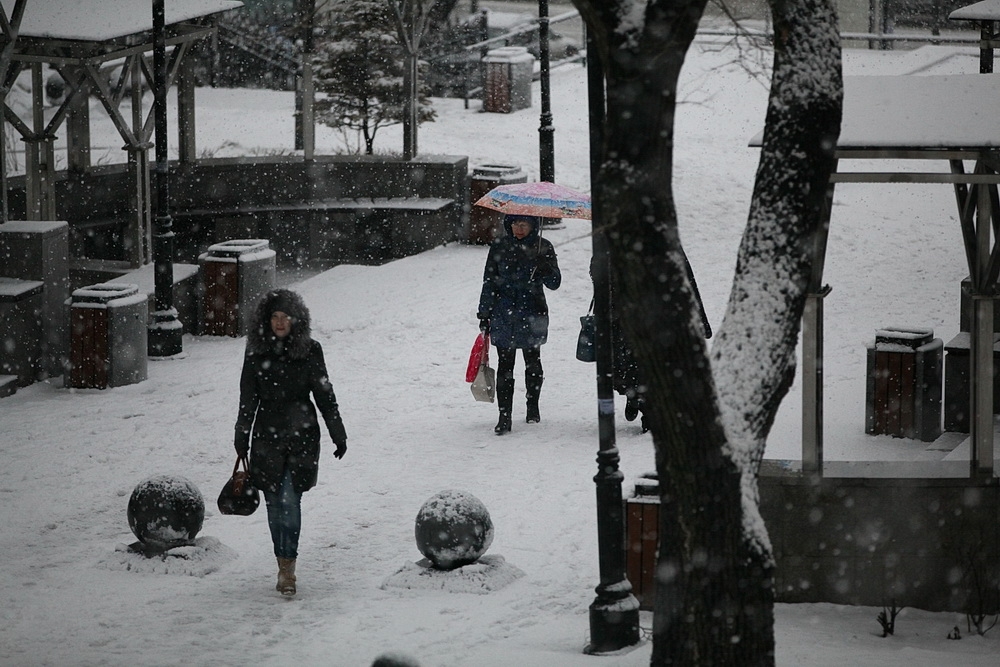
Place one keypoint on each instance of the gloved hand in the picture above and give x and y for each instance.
(341, 450)
(242, 444)
(543, 267)
(484, 325)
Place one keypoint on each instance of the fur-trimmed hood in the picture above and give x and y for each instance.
(532, 237)
(261, 340)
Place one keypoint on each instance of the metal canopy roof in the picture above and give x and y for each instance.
(78, 38)
(55, 31)
(58, 30)
(101, 20)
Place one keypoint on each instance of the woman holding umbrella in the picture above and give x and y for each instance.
(513, 311)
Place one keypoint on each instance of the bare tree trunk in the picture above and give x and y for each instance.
(714, 599)
(411, 18)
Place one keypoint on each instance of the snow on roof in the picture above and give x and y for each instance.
(987, 10)
(99, 20)
(949, 111)
(954, 111)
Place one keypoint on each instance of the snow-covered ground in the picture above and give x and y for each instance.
(397, 338)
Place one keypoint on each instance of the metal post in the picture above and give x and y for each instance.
(410, 103)
(986, 35)
(9, 28)
(308, 116)
(614, 613)
(187, 149)
(546, 133)
(304, 136)
(165, 333)
(812, 382)
(981, 340)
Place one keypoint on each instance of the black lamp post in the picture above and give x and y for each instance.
(546, 133)
(614, 613)
(166, 332)
(305, 139)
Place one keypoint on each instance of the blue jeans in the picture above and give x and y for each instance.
(284, 517)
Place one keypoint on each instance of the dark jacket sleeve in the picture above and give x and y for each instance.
(326, 401)
(551, 276)
(249, 400)
(487, 297)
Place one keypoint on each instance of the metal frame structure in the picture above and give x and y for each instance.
(878, 106)
(83, 62)
(986, 15)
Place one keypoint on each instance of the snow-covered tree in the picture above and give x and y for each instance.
(710, 412)
(359, 70)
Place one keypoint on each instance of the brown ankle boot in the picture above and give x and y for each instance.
(286, 576)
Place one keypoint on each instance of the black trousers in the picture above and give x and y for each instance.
(505, 375)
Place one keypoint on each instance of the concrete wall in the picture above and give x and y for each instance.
(95, 205)
(864, 541)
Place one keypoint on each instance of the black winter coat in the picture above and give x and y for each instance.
(275, 407)
(512, 298)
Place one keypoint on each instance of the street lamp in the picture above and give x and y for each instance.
(546, 133)
(165, 334)
(614, 613)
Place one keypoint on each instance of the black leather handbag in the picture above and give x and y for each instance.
(238, 496)
(585, 341)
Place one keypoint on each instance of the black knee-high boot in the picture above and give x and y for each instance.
(505, 388)
(505, 401)
(532, 384)
(532, 391)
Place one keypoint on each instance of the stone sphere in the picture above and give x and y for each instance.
(166, 511)
(453, 529)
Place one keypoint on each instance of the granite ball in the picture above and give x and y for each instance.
(166, 511)
(453, 529)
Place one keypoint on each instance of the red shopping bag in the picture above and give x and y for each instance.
(479, 350)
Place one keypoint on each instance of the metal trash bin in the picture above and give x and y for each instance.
(234, 275)
(484, 223)
(508, 79)
(957, 394)
(642, 534)
(903, 387)
(107, 336)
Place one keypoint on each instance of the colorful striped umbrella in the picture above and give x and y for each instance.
(545, 200)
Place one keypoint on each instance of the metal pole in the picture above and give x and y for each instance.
(165, 334)
(614, 613)
(9, 29)
(303, 113)
(307, 116)
(546, 133)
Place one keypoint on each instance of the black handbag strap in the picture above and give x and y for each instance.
(238, 482)
(241, 458)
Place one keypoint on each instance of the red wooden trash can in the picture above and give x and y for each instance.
(508, 79)
(234, 275)
(107, 336)
(485, 223)
(903, 392)
(642, 530)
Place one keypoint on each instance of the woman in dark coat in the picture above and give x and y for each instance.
(283, 365)
(512, 309)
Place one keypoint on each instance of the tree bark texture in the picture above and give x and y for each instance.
(714, 599)
(753, 356)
